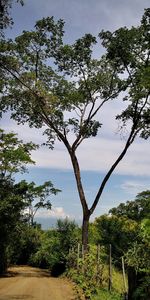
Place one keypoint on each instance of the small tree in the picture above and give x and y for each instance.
(14, 154)
(35, 198)
(67, 98)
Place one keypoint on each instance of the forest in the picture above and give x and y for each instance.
(61, 89)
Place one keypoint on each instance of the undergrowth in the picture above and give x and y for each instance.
(91, 275)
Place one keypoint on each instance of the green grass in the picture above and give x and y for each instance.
(105, 295)
(118, 287)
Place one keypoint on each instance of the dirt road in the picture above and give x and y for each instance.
(26, 283)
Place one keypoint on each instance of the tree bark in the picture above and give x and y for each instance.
(3, 259)
(85, 230)
(134, 281)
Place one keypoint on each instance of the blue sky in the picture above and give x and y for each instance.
(97, 154)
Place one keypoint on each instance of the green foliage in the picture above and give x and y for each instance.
(94, 234)
(145, 229)
(35, 198)
(48, 254)
(55, 245)
(11, 207)
(14, 154)
(143, 290)
(138, 258)
(86, 277)
(24, 242)
(103, 294)
(15, 198)
(128, 50)
(132, 239)
(90, 273)
(120, 232)
(69, 235)
(46, 82)
(5, 18)
(135, 210)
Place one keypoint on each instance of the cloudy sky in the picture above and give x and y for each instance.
(97, 154)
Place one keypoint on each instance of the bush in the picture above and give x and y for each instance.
(54, 248)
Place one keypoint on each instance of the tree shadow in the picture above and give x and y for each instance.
(16, 297)
(20, 272)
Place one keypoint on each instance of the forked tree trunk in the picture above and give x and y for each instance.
(76, 168)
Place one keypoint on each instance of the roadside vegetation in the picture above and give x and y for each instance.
(121, 236)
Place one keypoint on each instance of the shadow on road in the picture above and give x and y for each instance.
(16, 297)
(23, 272)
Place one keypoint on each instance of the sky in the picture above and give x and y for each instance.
(97, 154)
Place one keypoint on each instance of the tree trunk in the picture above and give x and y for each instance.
(3, 260)
(86, 211)
(85, 230)
(134, 281)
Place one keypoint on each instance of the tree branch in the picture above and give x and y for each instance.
(120, 157)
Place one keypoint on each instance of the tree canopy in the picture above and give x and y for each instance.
(35, 197)
(14, 154)
(5, 17)
(20, 201)
(127, 229)
(136, 210)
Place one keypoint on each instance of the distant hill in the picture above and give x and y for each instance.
(47, 223)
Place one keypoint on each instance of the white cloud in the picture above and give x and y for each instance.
(133, 187)
(55, 212)
(95, 154)
(98, 154)
(24, 132)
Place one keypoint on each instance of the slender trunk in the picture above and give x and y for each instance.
(134, 281)
(85, 209)
(85, 230)
(3, 258)
(131, 282)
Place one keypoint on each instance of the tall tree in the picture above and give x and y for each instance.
(14, 155)
(64, 88)
(17, 198)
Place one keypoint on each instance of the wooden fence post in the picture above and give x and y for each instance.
(78, 255)
(82, 258)
(98, 259)
(124, 279)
